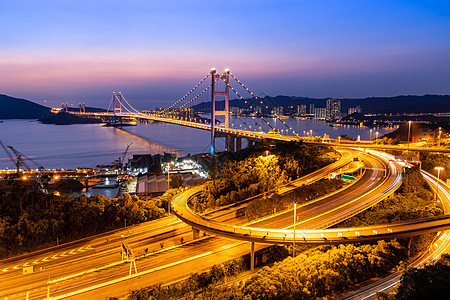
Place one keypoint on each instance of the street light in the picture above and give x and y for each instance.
(409, 132)
(376, 135)
(339, 141)
(370, 138)
(295, 218)
(440, 131)
(437, 181)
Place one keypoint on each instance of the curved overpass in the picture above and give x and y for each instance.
(325, 215)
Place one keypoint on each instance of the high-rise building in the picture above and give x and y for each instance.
(333, 108)
(311, 109)
(356, 109)
(320, 113)
(257, 109)
(278, 111)
(301, 109)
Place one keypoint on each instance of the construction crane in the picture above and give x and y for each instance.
(18, 161)
(121, 159)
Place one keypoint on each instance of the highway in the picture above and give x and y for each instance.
(440, 245)
(318, 214)
(90, 254)
(104, 250)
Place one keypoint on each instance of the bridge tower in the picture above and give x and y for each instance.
(215, 93)
(117, 106)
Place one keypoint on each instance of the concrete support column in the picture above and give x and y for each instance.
(231, 140)
(409, 246)
(252, 256)
(249, 143)
(238, 144)
(227, 142)
(195, 233)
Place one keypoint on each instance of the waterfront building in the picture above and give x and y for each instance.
(301, 110)
(356, 109)
(333, 108)
(320, 113)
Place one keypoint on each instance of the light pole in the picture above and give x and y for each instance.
(168, 187)
(295, 219)
(370, 138)
(409, 132)
(376, 135)
(339, 141)
(437, 181)
(440, 131)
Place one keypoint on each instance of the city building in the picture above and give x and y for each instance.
(311, 109)
(320, 113)
(301, 110)
(356, 109)
(333, 108)
(236, 111)
(278, 111)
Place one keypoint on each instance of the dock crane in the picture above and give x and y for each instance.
(121, 159)
(18, 161)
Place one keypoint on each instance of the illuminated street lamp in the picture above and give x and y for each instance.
(370, 138)
(310, 132)
(295, 219)
(437, 181)
(339, 141)
(409, 132)
(440, 131)
(376, 135)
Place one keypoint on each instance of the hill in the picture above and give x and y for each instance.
(373, 105)
(63, 118)
(15, 108)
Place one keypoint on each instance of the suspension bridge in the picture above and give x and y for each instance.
(212, 94)
(213, 91)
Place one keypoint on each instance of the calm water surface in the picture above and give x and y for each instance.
(89, 145)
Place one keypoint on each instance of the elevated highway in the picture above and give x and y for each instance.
(101, 274)
(329, 236)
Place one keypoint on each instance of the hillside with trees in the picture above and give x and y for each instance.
(15, 108)
(31, 221)
(258, 170)
(374, 105)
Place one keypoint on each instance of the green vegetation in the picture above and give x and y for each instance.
(432, 160)
(187, 288)
(31, 221)
(387, 141)
(259, 170)
(413, 200)
(430, 282)
(269, 204)
(316, 273)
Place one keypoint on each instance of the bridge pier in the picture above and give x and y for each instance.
(229, 142)
(195, 233)
(252, 256)
(238, 143)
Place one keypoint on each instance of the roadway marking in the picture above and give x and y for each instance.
(48, 258)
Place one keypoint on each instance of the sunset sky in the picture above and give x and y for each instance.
(156, 51)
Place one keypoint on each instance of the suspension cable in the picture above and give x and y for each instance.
(245, 101)
(132, 108)
(185, 96)
(204, 91)
(253, 95)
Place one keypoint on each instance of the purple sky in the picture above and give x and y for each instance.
(156, 51)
